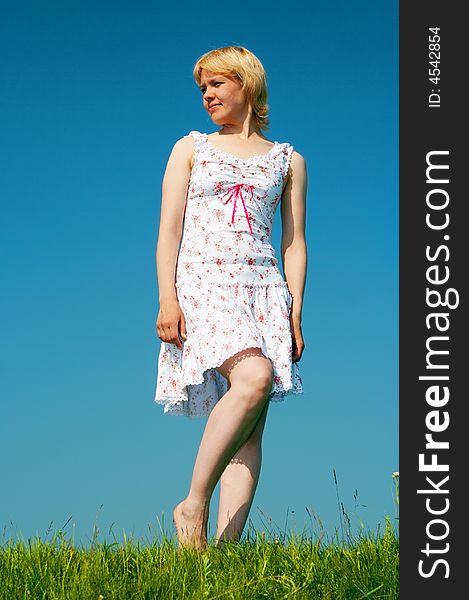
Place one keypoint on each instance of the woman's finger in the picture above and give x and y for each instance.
(175, 337)
(183, 327)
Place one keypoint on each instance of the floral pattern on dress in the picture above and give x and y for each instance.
(228, 282)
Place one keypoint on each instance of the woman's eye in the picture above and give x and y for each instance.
(216, 83)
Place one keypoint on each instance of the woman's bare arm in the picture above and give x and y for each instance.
(171, 322)
(294, 251)
(173, 203)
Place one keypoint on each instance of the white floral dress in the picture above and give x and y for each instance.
(228, 283)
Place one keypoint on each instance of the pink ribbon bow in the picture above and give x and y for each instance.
(235, 191)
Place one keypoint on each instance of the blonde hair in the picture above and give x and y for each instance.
(239, 61)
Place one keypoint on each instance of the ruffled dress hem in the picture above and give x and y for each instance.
(177, 405)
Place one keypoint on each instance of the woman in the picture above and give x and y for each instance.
(229, 323)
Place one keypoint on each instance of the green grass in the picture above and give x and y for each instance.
(363, 565)
(351, 566)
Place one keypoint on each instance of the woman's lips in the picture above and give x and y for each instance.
(213, 107)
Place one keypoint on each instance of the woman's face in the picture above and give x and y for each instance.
(222, 98)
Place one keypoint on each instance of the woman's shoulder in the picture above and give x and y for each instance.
(298, 161)
(184, 147)
(188, 140)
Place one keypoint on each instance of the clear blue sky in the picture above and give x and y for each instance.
(94, 95)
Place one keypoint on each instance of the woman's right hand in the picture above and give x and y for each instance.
(171, 322)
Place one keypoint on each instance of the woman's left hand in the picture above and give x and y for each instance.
(298, 344)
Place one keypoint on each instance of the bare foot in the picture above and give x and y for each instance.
(191, 526)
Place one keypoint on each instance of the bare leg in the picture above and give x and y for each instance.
(229, 425)
(238, 485)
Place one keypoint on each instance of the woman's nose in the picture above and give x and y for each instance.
(208, 95)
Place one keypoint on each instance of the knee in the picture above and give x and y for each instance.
(264, 378)
(256, 384)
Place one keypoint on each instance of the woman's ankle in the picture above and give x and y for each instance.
(195, 503)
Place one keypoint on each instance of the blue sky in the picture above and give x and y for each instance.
(94, 95)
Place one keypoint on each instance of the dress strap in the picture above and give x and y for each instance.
(285, 154)
(198, 139)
